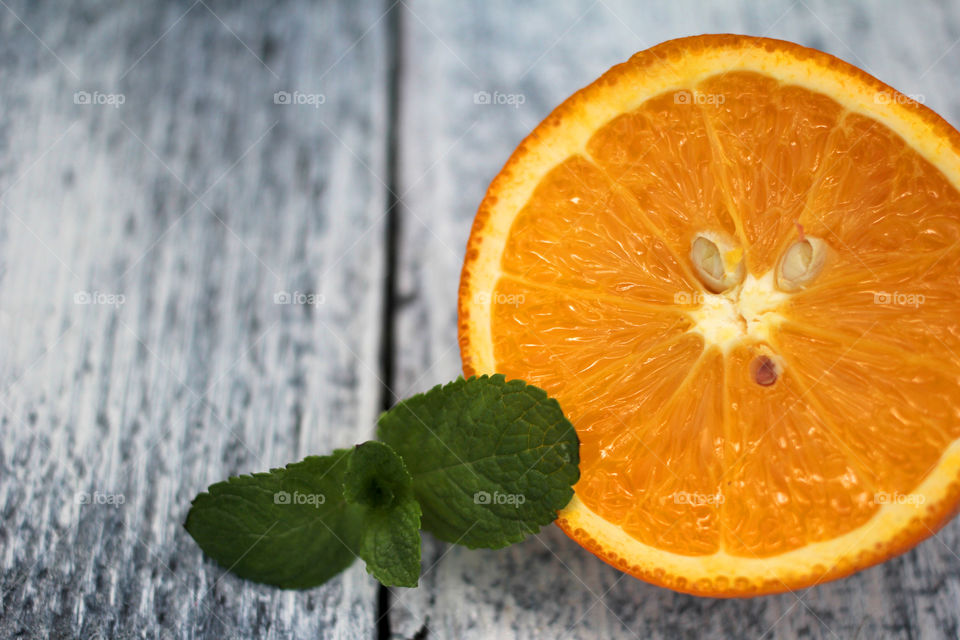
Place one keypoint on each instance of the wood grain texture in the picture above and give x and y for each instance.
(197, 200)
(451, 147)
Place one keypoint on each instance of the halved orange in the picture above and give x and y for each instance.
(735, 263)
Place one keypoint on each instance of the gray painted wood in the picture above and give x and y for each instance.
(197, 200)
(548, 587)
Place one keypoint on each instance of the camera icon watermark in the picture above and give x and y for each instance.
(99, 498)
(115, 100)
(115, 300)
(895, 298)
(487, 498)
(688, 297)
(297, 498)
(884, 497)
(299, 298)
(695, 498)
(895, 97)
(507, 299)
(511, 99)
(299, 98)
(695, 97)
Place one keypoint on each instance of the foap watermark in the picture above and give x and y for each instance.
(897, 299)
(895, 97)
(99, 498)
(512, 99)
(485, 497)
(688, 297)
(115, 300)
(299, 298)
(299, 98)
(695, 498)
(297, 498)
(114, 100)
(509, 299)
(696, 97)
(883, 497)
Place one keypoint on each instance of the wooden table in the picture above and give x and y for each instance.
(169, 170)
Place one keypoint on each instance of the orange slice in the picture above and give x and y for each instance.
(735, 262)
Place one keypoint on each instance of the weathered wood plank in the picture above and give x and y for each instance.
(548, 587)
(197, 200)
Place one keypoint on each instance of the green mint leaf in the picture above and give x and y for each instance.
(377, 481)
(375, 476)
(290, 527)
(492, 461)
(390, 545)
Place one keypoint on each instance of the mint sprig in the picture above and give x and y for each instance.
(378, 482)
(484, 461)
(290, 527)
(492, 461)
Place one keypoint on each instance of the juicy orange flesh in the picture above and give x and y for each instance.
(679, 444)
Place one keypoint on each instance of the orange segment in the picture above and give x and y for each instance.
(905, 407)
(873, 187)
(676, 466)
(912, 302)
(576, 194)
(773, 139)
(573, 346)
(736, 264)
(790, 481)
(661, 153)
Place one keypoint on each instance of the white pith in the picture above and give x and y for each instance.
(747, 312)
